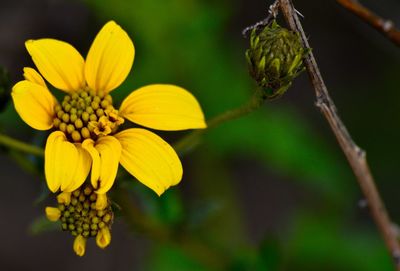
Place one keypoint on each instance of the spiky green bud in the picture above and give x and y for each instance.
(275, 58)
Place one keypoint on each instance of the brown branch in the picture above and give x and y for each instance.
(355, 155)
(386, 27)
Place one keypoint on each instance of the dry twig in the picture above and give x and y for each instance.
(386, 27)
(355, 155)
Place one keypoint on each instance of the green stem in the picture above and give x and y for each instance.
(20, 146)
(192, 139)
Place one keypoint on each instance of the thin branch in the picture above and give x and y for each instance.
(355, 155)
(15, 144)
(272, 12)
(386, 27)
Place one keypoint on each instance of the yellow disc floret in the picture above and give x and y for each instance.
(83, 212)
(86, 114)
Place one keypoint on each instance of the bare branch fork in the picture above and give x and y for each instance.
(354, 154)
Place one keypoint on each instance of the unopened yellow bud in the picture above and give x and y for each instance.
(103, 237)
(80, 245)
(53, 214)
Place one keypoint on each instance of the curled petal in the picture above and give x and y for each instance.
(80, 245)
(110, 58)
(59, 62)
(64, 198)
(81, 171)
(34, 104)
(33, 76)
(163, 107)
(103, 238)
(105, 155)
(88, 145)
(53, 214)
(149, 159)
(62, 162)
(101, 202)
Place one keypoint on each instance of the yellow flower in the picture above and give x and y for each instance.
(86, 123)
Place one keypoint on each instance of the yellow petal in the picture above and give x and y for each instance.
(80, 245)
(88, 145)
(149, 159)
(105, 156)
(101, 202)
(61, 161)
(110, 58)
(163, 107)
(33, 76)
(34, 104)
(109, 149)
(64, 198)
(103, 238)
(82, 170)
(59, 62)
(53, 214)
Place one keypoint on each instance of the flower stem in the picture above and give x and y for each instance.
(192, 139)
(20, 146)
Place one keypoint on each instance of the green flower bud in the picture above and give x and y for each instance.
(275, 58)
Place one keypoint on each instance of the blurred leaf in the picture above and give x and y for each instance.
(285, 143)
(270, 254)
(320, 243)
(171, 207)
(43, 194)
(169, 257)
(166, 209)
(224, 224)
(41, 225)
(267, 258)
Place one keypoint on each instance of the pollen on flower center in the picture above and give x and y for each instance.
(86, 114)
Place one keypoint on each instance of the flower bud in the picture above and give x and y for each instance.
(275, 58)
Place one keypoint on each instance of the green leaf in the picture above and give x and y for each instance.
(321, 243)
(169, 257)
(41, 225)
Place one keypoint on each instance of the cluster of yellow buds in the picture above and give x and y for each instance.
(84, 214)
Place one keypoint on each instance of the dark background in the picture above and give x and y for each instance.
(271, 190)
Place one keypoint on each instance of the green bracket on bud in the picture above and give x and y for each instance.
(275, 58)
(5, 88)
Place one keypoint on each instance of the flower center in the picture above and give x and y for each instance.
(80, 215)
(86, 114)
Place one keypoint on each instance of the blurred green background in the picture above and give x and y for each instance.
(269, 191)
